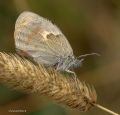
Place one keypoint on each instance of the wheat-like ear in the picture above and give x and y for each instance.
(24, 75)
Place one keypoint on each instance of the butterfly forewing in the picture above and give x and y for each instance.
(40, 39)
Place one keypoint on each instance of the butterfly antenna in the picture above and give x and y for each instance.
(85, 55)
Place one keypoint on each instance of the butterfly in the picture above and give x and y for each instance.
(40, 39)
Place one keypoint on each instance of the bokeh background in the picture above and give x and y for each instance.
(90, 26)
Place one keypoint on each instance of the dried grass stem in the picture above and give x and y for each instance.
(24, 75)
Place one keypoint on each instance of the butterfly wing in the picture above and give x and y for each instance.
(40, 39)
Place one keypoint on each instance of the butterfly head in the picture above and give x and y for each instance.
(70, 62)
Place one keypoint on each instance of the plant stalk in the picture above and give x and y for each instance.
(105, 109)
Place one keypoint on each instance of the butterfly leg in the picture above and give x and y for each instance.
(72, 72)
(58, 66)
(74, 78)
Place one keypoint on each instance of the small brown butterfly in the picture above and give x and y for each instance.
(38, 38)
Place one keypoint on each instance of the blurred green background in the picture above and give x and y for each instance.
(90, 26)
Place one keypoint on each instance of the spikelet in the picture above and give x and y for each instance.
(24, 75)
